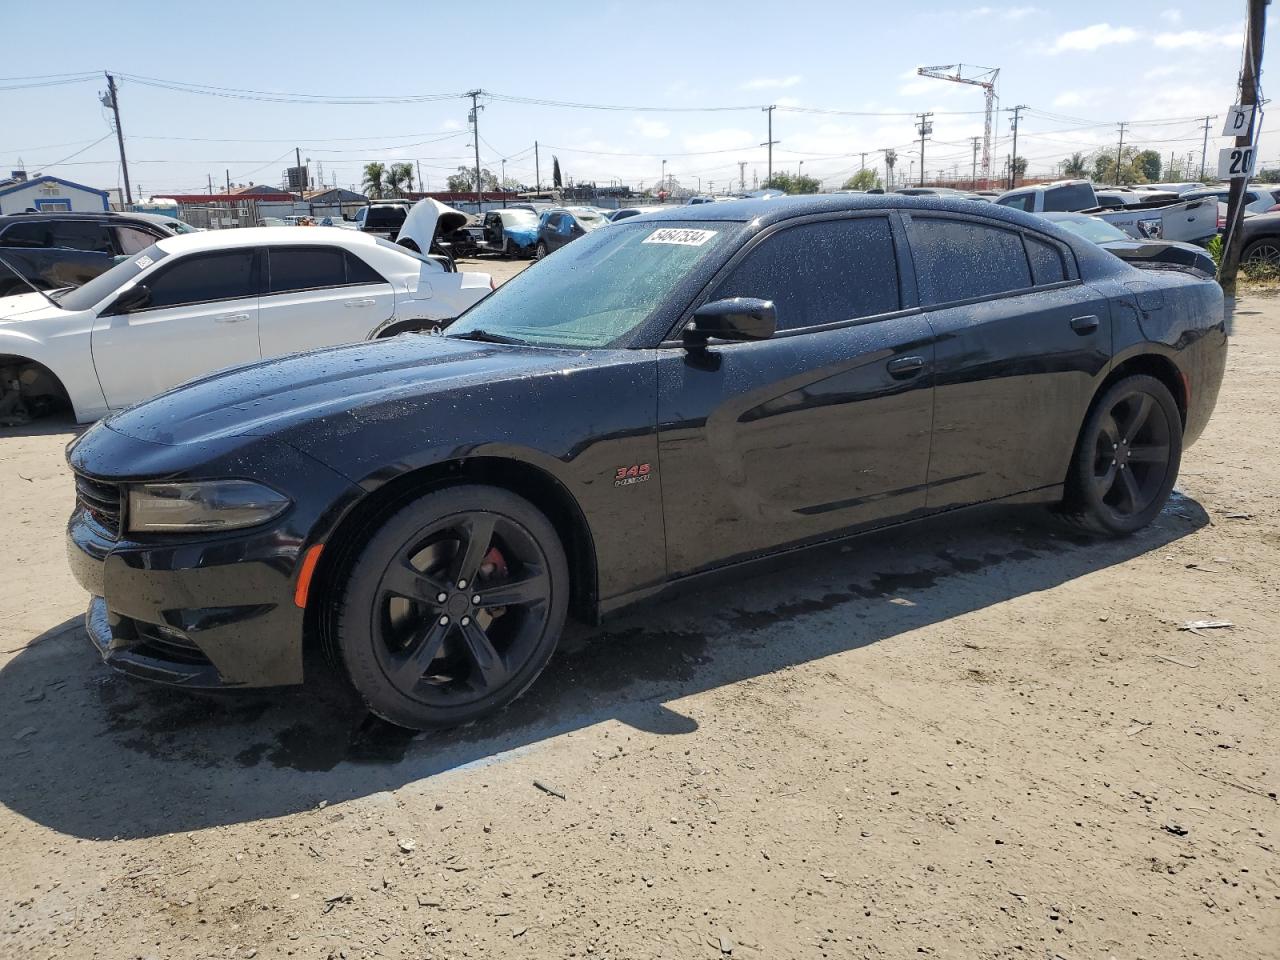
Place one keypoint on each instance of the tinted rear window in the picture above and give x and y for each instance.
(385, 217)
(1023, 201)
(306, 268)
(32, 234)
(823, 272)
(962, 260)
(1072, 196)
(1046, 262)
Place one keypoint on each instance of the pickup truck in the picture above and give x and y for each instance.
(1192, 221)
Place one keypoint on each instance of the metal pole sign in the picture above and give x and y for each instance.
(1239, 118)
(1235, 162)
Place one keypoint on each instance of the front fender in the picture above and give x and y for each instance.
(68, 356)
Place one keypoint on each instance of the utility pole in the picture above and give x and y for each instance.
(863, 165)
(662, 182)
(1249, 72)
(973, 180)
(112, 100)
(228, 183)
(926, 127)
(742, 175)
(1204, 149)
(770, 142)
(537, 170)
(210, 176)
(475, 135)
(1120, 149)
(1013, 164)
(418, 164)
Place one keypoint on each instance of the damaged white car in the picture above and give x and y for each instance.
(189, 305)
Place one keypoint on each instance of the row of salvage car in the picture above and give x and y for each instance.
(126, 308)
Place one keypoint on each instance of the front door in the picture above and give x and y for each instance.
(1022, 344)
(318, 296)
(203, 316)
(822, 429)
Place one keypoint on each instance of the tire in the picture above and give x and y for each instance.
(1262, 252)
(540, 251)
(426, 663)
(1126, 459)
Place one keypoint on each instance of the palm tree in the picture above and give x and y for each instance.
(1074, 166)
(399, 179)
(890, 160)
(374, 185)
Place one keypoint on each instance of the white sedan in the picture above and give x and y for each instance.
(193, 304)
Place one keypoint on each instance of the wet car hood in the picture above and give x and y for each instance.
(26, 306)
(340, 387)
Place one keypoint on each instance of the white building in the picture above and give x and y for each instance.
(49, 195)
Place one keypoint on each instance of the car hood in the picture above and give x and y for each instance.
(343, 387)
(26, 306)
(428, 219)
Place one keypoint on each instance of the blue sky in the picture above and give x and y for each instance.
(1080, 67)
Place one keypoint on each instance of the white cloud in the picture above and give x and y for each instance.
(451, 125)
(1197, 38)
(652, 129)
(728, 139)
(1093, 37)
(1172, 16)
(772, 83)
(1004, 13)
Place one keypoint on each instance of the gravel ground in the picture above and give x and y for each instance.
(984, 737)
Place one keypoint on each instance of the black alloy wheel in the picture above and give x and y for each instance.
(453, 607)
(1264, 253)
(1127, 457)
(540, 251)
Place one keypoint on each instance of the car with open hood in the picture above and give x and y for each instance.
(186, 306)
(674, 397)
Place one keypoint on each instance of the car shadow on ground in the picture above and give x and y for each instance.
(92, 754)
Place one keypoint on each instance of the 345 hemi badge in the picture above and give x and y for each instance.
(636, 473)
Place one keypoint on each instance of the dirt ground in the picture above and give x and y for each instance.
(980, 738)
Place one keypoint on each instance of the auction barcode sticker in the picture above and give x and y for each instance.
(143, 262)
(680, 236)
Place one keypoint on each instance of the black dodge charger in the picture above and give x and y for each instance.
(674, 394)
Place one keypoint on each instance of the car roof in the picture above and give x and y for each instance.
(56, 215)
(767, 211)
(257, 236)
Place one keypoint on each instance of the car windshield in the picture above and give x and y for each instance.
(104, 284)
(1099, 231)
(178, 226)
(593, 293)
(519, 218)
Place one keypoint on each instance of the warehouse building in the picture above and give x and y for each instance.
(49, 195)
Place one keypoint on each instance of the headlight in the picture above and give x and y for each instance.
(202, 505)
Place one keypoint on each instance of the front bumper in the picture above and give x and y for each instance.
(212, 614)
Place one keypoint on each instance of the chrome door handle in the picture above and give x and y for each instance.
(231, 318)
(360, 302)
(904, 367)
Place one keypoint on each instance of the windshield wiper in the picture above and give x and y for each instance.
(485, 336)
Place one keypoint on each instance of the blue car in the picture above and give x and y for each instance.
(512, 232)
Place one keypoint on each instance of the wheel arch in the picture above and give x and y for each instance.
(46, 383)
(1153, 365)
(526, 480)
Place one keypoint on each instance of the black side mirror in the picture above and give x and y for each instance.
(736, 318)
(136, 297)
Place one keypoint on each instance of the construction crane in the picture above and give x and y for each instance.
(984, 77)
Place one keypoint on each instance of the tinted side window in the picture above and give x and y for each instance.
(133, 240)
(305, 268)
(1071, 196)
(960, 259)
(83, 235)
(360, 272)
(32, 234)
(1046, 262)
(205, 277)
(822, 272)
(1023, 201)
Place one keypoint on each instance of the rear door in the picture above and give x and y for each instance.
(1022, 344)
(823, 428)
(203, 317)
(317, 296)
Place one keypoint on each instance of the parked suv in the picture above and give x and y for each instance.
(560, 225)
(384, 218)
(67, 249)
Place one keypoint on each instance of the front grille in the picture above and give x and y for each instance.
(101, 500)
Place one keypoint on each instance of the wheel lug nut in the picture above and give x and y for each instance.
(444, 621)
(441, 597)
(465, 621)
(475, 600)
(462, 584)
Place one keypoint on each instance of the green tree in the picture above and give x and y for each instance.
(864, 179)
(374, 183)
(399, 179)
(1147, 164)
(464, 181)
(1075, 165)
(789, 184)
(1268, 175)
(890, 161)
(1019, 168)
